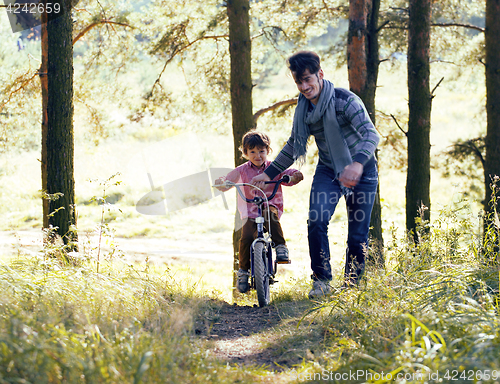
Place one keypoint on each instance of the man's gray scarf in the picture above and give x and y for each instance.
(339, 152)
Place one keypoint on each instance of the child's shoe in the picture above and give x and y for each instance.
(282, 254)
(242, 283)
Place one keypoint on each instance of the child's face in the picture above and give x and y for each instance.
(257, 155)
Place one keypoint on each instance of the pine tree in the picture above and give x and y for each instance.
(57, 140)
(419, 123)
(241, 90)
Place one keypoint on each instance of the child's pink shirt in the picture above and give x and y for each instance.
(244, 174)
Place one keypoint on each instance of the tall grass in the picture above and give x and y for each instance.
(61, 323)
(432, 311)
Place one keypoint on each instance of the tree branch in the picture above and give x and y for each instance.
(178, 50)
(273, 107)
(263, 31)
(437, 85)
(469, 144)
(401, 129)
(89, 27)
(382, 26)
(24, 83)
(470, 26)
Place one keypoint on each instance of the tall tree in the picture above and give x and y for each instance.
(363, 63)
(241, 89)
(419, 124)
(45, 98)
(57, 140)
(241, 75)
(492, 156)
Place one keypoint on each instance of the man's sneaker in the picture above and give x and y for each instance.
(282, 254)
(320, 288)
(242, 282)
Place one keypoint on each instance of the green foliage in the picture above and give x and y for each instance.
(125, 325)
(103, 228)
(466, 158)
(170, 61)
(434, 308)
(20, 99)
(192, 35)
(393, 144)
(491, 237)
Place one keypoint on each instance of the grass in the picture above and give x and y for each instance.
(433, 309)
(128, 324)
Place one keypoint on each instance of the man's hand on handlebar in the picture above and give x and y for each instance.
(259, 180)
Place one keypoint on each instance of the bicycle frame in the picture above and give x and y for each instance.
(270, 267)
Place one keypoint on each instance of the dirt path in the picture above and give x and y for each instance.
(252, 336)
(238, 334)
(157, 250)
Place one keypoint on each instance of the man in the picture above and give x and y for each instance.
(346, 141)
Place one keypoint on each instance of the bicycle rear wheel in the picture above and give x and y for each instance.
(261, 273)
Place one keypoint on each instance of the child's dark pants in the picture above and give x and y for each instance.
(249, 233)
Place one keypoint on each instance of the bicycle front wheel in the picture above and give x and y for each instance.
(261, 274)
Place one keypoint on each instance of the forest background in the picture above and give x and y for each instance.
(135, 115)
(129, 103)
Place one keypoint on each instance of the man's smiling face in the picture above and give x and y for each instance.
(310, 85)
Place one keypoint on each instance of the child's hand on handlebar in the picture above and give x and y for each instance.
(222, 187)
(297, 177)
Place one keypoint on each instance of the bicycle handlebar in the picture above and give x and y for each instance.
(256, 199)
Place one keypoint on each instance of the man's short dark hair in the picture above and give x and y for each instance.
(303, 60)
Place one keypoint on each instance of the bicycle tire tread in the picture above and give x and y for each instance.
(261, 277)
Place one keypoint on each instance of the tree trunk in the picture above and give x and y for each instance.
(492, 157)
(241, 91)
(357, 46)
(419, 124)
(59, 129)
(45, 97)
(363, 63)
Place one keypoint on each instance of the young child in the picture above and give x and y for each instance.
(255, 148)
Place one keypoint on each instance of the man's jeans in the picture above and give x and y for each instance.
(325, 194)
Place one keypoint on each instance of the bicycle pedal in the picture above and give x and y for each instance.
(284, 262)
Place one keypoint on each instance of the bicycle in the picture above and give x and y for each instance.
(263, 271)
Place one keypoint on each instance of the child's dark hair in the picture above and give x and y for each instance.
(303, 60)
(254, 139)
